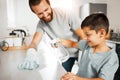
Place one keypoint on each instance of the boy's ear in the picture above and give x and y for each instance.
(102, 32)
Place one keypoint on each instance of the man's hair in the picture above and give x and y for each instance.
(96, 22)
(36, 2)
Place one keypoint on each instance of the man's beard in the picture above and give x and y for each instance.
(48, 18)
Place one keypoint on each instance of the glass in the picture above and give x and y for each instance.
(118, 34)
(115, 34)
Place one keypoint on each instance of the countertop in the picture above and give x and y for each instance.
(50, 68)
(116, 42)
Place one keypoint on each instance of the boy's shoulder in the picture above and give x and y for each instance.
(82, 44)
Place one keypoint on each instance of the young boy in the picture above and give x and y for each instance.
(98, 61)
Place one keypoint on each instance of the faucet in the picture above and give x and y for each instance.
(22, 31)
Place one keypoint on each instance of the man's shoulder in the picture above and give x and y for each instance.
(41, 23)
(61, 10)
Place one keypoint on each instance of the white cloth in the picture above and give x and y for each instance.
(31, 60)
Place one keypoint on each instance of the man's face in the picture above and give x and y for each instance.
(93, 37)
(43, 11)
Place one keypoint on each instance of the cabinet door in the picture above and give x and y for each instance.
(90, 8)
(97, 7)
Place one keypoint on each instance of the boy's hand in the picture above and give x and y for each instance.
(70, 76)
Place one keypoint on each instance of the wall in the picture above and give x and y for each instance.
(24, 16)
(11, 13)
(16, 13)
(114, 12)
(3, 18)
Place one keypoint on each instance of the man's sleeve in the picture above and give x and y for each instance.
(39, 27)
(74, 20)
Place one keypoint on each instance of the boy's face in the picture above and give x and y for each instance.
(43, 11)
(93, 38)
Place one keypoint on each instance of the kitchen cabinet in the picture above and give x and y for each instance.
(90, 8)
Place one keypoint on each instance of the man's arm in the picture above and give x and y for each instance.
(31, 60)
(36, 39)
(69, 43)
(80, 33)
(72, 44)
(108, 35)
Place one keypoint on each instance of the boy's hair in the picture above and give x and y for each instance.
(96, 22)
(36, 2)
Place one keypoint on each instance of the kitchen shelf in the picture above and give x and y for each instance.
(18, 48)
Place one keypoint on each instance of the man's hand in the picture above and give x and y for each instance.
(59, 48)
(66, 43)
(31, 60)
(54, 43)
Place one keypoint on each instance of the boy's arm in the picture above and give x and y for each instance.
(69, 43)
(71, 76)
(90, 79)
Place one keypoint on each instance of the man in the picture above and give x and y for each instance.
(56, 23)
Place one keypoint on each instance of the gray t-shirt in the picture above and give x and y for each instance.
(63, 25)
(98, 65)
